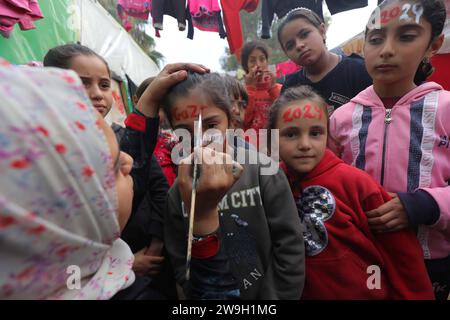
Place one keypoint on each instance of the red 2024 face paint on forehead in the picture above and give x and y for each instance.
(305, 112)
(395, 10)
(190, 112)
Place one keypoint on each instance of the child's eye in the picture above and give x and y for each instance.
(290, 134)
(289, 45)
(85, 82)
(316, 133)
(375, 40)
(407, 37)
(211, 125)
(304, 34)
(105, 85)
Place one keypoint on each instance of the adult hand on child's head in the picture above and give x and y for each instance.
(218, 174)
(144, 265)
(150, 100)
(391, 216)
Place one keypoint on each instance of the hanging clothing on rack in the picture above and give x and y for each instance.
(205, 15)
(23, 12)
(281, 8)
(139, 9)
(173, 8)
(232, 19)
(336, 6)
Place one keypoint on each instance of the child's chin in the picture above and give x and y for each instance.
(304, 168)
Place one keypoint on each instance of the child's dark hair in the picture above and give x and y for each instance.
(248, 49)
(61, 56)
(294, 94)
(434, 12)
(299, 13)
(210, 84)
(235, 88)
(143, 86)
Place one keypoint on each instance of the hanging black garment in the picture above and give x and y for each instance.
(336, 6)
(173, 8)
(281, 8)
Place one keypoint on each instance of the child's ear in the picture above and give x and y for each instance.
(435, 46)
(323, 31)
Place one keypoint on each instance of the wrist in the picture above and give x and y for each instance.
(206, 222)
(150, 110)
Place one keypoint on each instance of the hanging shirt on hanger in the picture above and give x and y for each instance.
(336, 6)
(139, 9)
(281, 8)
(23, 12)
(232, 19)
(173, 8)
(205, 15)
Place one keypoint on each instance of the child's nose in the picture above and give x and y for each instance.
(388, 49)
(299, 45)
(304, 143)
(95, 93)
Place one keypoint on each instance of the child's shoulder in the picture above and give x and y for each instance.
(353, 59)
(350, 175)
(444, 95)
(294, 79)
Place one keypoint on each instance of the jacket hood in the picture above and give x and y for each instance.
(328, 161)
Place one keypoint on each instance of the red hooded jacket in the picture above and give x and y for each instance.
(340, 247)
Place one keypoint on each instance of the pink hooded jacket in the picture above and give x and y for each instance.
(404, 148)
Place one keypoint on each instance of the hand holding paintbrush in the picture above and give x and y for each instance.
(218, 174)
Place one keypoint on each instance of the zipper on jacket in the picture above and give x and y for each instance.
(387, 121)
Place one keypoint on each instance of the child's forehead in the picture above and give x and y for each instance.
(394, 12)
(302, 110)
(304, 102)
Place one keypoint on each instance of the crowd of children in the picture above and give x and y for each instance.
(358, 208)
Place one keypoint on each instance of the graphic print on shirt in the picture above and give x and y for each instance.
(241, 249)
(315, 206)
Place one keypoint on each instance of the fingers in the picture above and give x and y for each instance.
(392, 225)
(384, 219)
(383, 209)
(393, 195)
(176, 67)
(391, 216)
(141, 252)
(185, 168)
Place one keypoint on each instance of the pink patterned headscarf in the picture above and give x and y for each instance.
(59, 232)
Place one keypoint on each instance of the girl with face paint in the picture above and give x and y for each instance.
(337, 78)
(244, 223)
(332, 198)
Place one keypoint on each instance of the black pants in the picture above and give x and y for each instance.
(439, 272)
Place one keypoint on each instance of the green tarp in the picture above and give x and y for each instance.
(58, 27)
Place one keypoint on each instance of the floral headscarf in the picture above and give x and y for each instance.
(58, 201)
